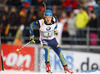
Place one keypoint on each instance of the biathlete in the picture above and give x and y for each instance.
(48, 30)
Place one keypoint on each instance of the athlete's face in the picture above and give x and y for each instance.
(48, 19)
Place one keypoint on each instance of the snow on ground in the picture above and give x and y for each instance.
(16, 72)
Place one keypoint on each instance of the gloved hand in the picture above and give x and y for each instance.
(56, 33)
(32, 39)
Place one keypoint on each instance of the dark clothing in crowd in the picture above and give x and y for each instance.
(13, 19)
(93, 24)
(98, 27)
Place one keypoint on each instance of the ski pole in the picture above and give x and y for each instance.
(23, 46)
(44, 3)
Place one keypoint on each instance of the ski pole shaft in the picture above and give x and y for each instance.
(44, 2)
(24, 46)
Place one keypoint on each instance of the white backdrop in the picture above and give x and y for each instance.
(77, 61)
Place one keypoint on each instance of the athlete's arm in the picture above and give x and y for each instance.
(56, 22)
(32, 25)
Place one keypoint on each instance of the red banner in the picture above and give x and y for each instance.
(22, 60)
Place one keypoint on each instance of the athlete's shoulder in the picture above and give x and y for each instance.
(35, 23)
(55, 19)
(41, 20)
(38, 22)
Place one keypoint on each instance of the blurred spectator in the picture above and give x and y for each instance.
(4, 23)
(2, 3)
(81, 23)
(72, 28)
(91, 3)
(49, 2)
(56, 2)
(54, 10)
(4, 20)
(70, 4)
(26, 3)
(31, 15)
(82, 3)
(34, 2)
(63, 21)
(62, 1)
(93, 25)
(13, 17)
(13, 21)
(22, 16)
(16, 3)
(97, 12)
(40, 12)
(21, 32)
(98, 25)
(90, 8)
(37, 2)
(6, 10)
(97, 8)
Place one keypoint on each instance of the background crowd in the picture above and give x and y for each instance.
(80, 20)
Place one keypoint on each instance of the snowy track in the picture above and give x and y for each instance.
(15, 72)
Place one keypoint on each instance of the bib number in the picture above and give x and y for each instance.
(46, 34)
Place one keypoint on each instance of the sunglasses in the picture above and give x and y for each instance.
(48, 16)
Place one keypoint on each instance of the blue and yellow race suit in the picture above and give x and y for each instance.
(47, 37)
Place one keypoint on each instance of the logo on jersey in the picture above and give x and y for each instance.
(48, 28)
